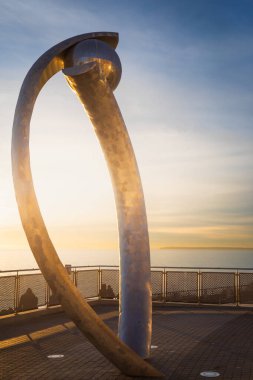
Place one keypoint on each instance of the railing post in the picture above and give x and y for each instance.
(47, 294)
(199, 287)
(237, 287)
(16, 293)
(164, 286)
(75, 277)
(99, 282)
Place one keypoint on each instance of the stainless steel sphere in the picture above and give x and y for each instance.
(96, 51)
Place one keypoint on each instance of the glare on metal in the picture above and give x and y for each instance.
(93, 70)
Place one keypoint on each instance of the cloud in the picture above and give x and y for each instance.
(185, 94)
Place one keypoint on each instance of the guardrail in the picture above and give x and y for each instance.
(27, 289)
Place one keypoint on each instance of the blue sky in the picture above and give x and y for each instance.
(186, 96)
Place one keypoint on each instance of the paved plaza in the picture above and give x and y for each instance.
(186, 341)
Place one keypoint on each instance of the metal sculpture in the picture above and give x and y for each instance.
(93, 70)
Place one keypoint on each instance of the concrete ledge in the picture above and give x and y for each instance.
(25, 316)
(14, 319)
(180, 305)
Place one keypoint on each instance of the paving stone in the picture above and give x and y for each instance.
(189, 341)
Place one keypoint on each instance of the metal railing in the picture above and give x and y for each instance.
(27, 289)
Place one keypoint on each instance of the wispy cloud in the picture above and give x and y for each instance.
(185, 94)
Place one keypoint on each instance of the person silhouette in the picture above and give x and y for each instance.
(102, 292)
(28, 301)
(110, 292)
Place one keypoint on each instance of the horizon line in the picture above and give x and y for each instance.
(211, 247)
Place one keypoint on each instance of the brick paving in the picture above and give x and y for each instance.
(189, 340)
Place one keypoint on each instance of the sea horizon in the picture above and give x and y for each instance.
(14, 259)
(211, 247)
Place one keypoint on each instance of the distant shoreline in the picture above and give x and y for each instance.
(220, 248)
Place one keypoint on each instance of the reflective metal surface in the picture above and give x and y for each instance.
(95, 51)
(89, 82)
(129, 198)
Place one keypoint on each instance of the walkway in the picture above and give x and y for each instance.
(186, 342)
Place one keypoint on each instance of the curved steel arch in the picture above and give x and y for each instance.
(96, 95)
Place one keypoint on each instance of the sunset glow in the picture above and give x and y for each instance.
(186, 97)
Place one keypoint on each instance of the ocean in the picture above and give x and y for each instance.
(222, 258)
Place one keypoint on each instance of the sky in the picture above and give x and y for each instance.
(186, 96)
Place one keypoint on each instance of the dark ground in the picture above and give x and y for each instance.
(190, 340)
